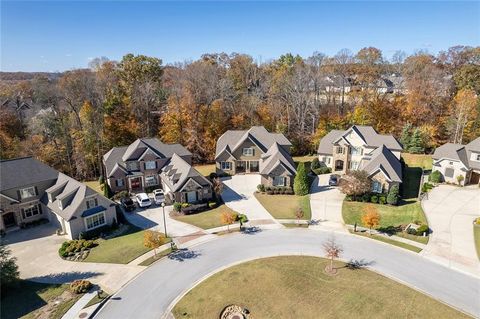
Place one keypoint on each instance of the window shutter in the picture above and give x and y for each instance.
(116, 183)
(88, 204)
(36, 191)
(144, 165)
(18, 195)
(40, 209)
(253, 151)
(23, 213)
(96, 202)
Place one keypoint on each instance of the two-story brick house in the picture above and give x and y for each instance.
(145, 164)
(31, 190)
(256, 151)
(454, 160)
(362, 148)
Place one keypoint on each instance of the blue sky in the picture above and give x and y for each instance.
(61, 35)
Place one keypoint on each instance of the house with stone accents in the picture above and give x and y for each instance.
(31, 191)
(256, 151)
(149, 164)
(362, 148)
(454, 160)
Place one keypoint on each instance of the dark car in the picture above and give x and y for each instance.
(128, 204)
(333, 181)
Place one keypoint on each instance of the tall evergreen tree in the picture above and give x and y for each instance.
(301, 183)
(416, 143)
(406, 137)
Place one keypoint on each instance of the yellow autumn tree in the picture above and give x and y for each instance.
(463, 114)
(370, 217)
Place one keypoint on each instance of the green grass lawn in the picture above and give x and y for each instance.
(96, 299)
(121, 249)
(307, 160)
(388, 241)
(206, 220)
(160, 255)
(298, 287)
(95, 185)
(285, 206)
(476, 234)
(32, 300)
(205, 170)
(294, 225)
(389, 215)
(418, 160)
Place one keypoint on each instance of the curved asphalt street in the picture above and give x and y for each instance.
(151, 294)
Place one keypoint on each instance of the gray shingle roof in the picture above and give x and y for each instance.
(117, 156)
(383, 158)
(367, 133)
(258, 134)
(451, 151)
(15, 173)
(275, 156)
(475, 147)
(177, 172)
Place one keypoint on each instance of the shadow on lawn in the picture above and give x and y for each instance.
(355, 264)
(253, 230)
(183, 254)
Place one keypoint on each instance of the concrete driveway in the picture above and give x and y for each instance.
(326, 204)
(36, 250)
(238, 193)
(450, 211)
(153, 292)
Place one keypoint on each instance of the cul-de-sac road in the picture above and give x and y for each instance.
(154, 291)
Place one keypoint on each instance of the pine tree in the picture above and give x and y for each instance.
(416, 143)
(406, 137)
(301, 181)
(392, 197)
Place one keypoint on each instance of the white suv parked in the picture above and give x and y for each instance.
(158, 196)
(143, 200)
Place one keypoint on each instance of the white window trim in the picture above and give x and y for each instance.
(26, 189)
(24, 214)
(284, 181)
(121, 184)
(226, 166)
(374, 189)
(94, 215)
(247, 151)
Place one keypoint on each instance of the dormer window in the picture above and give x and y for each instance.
(356, 151)
(150, 165)
(248, 151)
(92, 202)
(28, 192)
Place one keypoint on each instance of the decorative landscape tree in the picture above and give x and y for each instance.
(355, 183)
(393, 195)
(301, 182)
(228, 218)
(406, 136)
(370, 217)
(332, 251)
(217, 188)
(460, 179)
(8, 267)
(299, 215)
(416, 145)
(153, 240)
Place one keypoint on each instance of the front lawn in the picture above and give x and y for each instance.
(205, 170)
(285, 206)
(418, 160)
(160, 255)
(35, 300)
(206, 220)
(404, 214)
(298, 287)
(307, 160)
(121, 249)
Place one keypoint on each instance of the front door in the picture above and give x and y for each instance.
(240, 167)
(136, 183)
(8, 219)
(253, 166)
(191, 197)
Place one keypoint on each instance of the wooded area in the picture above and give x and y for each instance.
(70, 120)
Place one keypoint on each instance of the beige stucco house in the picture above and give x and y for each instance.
(256, 151)
(31, 190)
(453, 160)
(362, 148)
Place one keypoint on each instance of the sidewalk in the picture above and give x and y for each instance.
(76, 309)
(393, 237)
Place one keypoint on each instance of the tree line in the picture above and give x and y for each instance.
(71, 119)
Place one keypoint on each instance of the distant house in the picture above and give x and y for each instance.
(362, 148)
(256, 151)
(148, 163)
(31, 190)
(453, 160)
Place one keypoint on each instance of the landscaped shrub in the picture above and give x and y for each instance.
(301, 183)
(322, 170)
(392, 197)
(74, 246)
(349, 198)
(261, 188)
(80, 286)
(382, 200)
(213, 176)
(422, 229)
(212, 204)
(365, 198)
(120, 195)
(435, 177)
(270, 192)
(374, 199)
(315, 164)
(411, 231)
(101, 180)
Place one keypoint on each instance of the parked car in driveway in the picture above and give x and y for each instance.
(128, 204)
(158, 196)
(143, 200)
(333, 180)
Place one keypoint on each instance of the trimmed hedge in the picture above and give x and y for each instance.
(322, 170)
(71, 247)
(80, 286)
(435, 177)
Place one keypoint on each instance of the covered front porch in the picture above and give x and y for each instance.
(243, 167)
